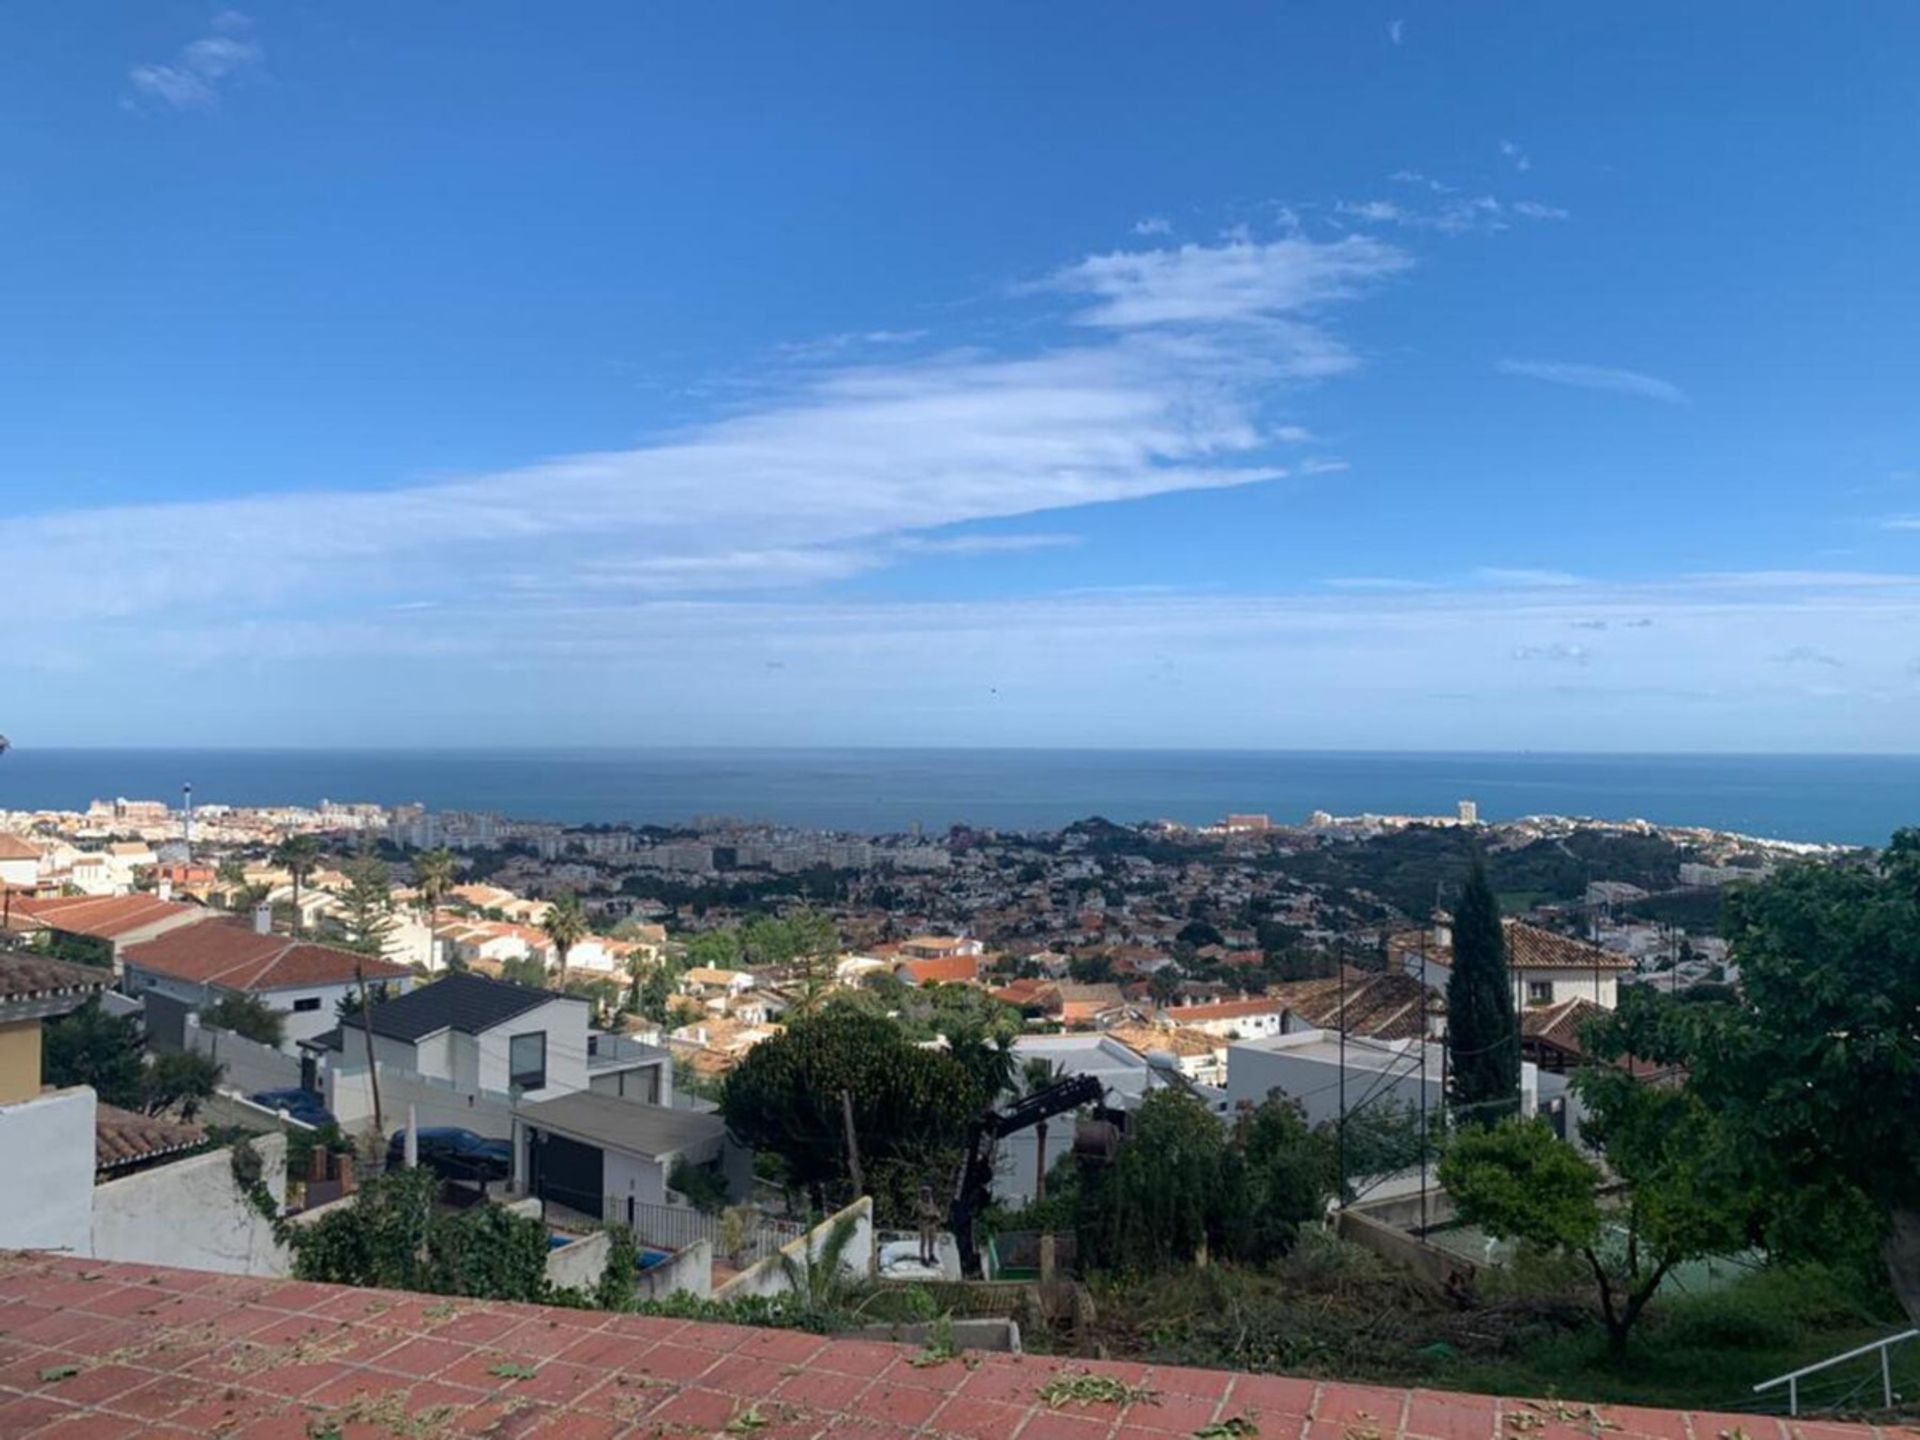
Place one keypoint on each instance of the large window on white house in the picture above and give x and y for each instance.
(1539, 992)
(306, 1003)
(527, 1060)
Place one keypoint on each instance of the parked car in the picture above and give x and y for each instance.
(301, 1105)
(455, 1154)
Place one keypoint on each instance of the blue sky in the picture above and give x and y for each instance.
(1358, 375)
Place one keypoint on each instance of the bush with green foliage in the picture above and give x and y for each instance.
(246, 1015)
(704, 1186)
(1183, 1188)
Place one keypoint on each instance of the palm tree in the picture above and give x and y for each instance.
(297, 855)
(566, 926)
(433, 874)
(232, 876)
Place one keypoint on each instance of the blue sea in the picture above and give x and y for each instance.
(1847, 799)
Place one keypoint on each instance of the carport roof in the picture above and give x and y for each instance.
(612, 1123)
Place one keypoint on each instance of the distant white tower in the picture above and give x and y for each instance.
(1469, 813)
(186, 821)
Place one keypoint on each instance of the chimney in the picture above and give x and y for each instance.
(165, 888)
(263, 919)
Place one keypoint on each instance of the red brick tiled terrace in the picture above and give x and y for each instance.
(98, 1351)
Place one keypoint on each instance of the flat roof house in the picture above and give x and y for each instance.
(604, 1157)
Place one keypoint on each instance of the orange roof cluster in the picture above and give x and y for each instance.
(232, 955)
(948, 970)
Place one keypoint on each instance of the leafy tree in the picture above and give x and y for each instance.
(1173, 1192)
(656, 995)
(910, 1105)
(1816, 1075)
(179, 1080)
(91, 1047)
(528, 970)
(1681, 1197)
(298, 855)
(1289, 1169)
(1483, 1034)
(366, 919)
(1164, 984)
(246, 1015)
(714, 950)
(1196, 934)
(566, 926)
(703, 1185)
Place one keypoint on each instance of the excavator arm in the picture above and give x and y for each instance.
(972, 1189)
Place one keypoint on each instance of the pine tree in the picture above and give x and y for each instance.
(1483, 1034)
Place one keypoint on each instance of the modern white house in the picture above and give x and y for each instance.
(303, 980)
(469, 1050)
(1313, 1069)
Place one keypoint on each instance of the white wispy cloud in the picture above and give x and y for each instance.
(194, 77)
(1557, 650)
(1501, 575)
(1538, 210)
(1153, 225)
(1162, 386)
(1396, 31)
(1241, 280)
(838, 345)
(1596, 377)
(1512, 151)
(1901, 522)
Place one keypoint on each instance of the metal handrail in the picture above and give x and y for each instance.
(1884, 1345)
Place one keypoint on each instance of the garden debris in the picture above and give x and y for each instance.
(59, 1372)
(511, 1370)
(1232, 1428)
(1090, 1389)
(747, 1420)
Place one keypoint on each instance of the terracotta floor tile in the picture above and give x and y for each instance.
(977, 1419)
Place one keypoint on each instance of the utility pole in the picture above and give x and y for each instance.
(1341, 1129)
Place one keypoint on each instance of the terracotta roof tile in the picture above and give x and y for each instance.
(232, 954)
(103, 917)
(143, 1350)
(1531, 948)
(27, 976)
(121, 1137)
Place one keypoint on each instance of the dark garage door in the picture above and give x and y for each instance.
(568, 1173)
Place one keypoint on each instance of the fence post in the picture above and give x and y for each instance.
(1886, 1374)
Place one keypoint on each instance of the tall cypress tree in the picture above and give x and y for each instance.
(1483, 1035)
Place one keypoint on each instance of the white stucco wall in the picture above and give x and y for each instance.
(631, 1175)
(581, 1264)
(565, 1024)
(1308, 1071)
(769, 1276)
(46, 1149)
(690, 1272)
(190, 1213)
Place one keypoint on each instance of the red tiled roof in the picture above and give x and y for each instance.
(948, 970)
(1531, 948)
(27, 976)
(121, 1137)
(103, 917)
(1379, 1006)
(93, 1348)
(12, 847)
(231, 954)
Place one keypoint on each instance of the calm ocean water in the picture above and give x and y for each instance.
(1858, 799)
